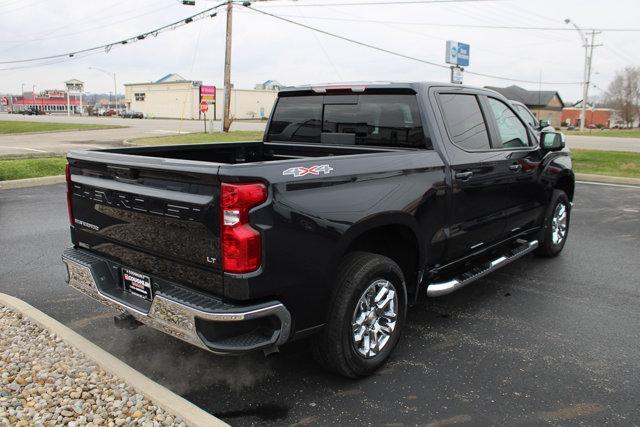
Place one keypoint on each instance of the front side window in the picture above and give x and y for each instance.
(526, 115)
(512, 132)
(391, 120)
(464, 121)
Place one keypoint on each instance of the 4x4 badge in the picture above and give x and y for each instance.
(299, 171)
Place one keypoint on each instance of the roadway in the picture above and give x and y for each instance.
(606, 143)
(61, 142)
(540, 341)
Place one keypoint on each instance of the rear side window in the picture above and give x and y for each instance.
(391, 120)
(464, 121)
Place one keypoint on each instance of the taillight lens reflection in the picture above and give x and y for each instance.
(241, 244)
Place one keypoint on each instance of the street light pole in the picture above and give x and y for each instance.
(588, 56)
(115, 84)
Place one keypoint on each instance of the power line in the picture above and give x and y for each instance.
(93, 28)
(381, 3)
(438, 24)
(401, 55)
(107, 47)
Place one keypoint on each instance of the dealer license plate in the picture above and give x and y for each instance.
(137, 284)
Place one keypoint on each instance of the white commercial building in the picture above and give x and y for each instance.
(174, 97)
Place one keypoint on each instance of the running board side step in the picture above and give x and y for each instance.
(437, 289)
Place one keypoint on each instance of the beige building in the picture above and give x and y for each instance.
(174, 97)
(545, 104)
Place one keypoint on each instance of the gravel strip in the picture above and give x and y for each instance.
(44, 381)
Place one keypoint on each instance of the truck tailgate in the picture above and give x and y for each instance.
(149, 215)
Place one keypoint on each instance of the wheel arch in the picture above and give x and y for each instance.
(567, 183)
(395, 236)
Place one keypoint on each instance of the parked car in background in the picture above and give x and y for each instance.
(32, 111)
(110, 112)
(132, 115)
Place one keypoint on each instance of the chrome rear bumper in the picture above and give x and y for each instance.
(181, 313)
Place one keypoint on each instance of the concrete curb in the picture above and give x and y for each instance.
(166, 399)
(589, 177)
(31, 182)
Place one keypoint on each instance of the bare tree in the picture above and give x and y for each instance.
(623, 94)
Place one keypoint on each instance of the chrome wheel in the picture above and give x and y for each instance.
(559, 224)
(374, 318)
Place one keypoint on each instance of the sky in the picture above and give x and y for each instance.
(266, 48)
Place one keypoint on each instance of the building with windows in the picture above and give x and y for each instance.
(545, 104)
(173, 96)
(52, 101)
(599, 117)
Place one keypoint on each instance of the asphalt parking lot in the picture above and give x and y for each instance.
(540, 341)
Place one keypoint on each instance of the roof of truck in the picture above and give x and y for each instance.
(360, 86)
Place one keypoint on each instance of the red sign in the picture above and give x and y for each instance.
(204, 107)
(55, 94)
(208, 94)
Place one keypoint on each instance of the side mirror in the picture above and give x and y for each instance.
(544, 123)
(552, 141)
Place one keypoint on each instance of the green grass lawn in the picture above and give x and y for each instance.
(10, 126)
(620, 133)
(613, 163)
(200, 138)
(31, 168)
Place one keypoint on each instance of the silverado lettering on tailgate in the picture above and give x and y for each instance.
(137, 202)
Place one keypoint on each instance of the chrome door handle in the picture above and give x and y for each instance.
(463, 176)
(515, 167)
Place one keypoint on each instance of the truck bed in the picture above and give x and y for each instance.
(157, 208)
(243, 152)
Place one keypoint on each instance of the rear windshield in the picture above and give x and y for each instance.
(390, 120)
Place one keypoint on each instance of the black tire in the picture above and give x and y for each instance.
(335, 348)
(548, 247)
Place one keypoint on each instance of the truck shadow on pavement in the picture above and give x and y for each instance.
(457, 334)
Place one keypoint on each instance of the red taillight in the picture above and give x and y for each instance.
(241, 244)
(67, 173)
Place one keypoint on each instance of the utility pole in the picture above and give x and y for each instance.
(585, 94)
(226, 122)
(588, 56)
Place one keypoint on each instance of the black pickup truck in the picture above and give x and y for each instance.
(358, 198)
